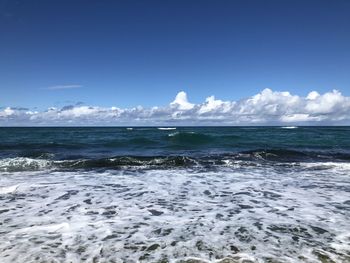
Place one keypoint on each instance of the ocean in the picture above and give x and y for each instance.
(166, 194)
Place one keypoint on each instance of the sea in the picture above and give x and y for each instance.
(175, 194)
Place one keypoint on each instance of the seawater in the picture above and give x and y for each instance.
(185, 194)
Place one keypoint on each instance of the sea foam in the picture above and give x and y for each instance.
(240, 212)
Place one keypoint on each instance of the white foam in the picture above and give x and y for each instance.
(9, 189)
(336, 166)
(45, 228)
(289, 127)
(175, 214)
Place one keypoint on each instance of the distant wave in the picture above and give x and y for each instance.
(289, 127)
(166, 128)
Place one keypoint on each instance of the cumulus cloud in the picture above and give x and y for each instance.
(265, 108)
(181, 102)
(60, 87)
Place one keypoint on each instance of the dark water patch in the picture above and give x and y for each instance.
(318, 230)
(142, 141)
(271, 195)
(67, 195)
(155, 212)
(223, 139)
(182, 139)
(137, 142)
(87, 201)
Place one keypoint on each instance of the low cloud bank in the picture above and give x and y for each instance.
(265, 108)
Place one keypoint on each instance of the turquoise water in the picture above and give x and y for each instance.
(148, 194)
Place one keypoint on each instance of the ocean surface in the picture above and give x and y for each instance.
(165, 194)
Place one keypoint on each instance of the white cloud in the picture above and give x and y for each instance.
(212, 105)
(181, 102)
(59, 87)
(328, 103)
(6, 112)
(265, 108)
(312, 95)
(299, 117)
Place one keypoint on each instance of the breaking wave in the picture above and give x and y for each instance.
(246, 158)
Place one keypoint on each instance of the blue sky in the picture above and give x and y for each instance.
(129, 53)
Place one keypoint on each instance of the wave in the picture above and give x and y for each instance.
(23, 164)
(28, 164)
(289, 127)
(272, 157)
(277, 155)
(288, 155)
(166, 128)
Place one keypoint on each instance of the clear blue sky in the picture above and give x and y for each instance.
(128, 53)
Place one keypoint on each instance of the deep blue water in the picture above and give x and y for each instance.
(180, 146)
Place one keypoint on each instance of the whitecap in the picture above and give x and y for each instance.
(173, 134)
(166, 128)
(23, 163)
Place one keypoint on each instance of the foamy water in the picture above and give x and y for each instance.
(175, 194)
(284, 213)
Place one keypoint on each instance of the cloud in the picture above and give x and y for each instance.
(181, 102)
(60, 87)
(7, 112)
(265, 108)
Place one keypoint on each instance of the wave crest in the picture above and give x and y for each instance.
(247, 158)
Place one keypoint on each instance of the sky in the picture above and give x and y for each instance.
(69, 62)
